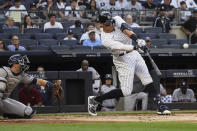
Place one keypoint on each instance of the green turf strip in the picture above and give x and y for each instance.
(140, 126)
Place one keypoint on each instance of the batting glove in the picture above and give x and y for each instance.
(141, 42)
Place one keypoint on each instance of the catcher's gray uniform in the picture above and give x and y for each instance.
(129, 63)
(8, 81)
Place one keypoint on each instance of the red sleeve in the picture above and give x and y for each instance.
(38, 96)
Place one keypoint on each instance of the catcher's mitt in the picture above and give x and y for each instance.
(58, 92)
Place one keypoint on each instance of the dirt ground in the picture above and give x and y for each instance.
(182, 117)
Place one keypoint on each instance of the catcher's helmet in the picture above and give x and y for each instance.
(105, 18)
(108, 77)
(22, 60)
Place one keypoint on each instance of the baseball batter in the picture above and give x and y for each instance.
(116, 37)
(10, 77)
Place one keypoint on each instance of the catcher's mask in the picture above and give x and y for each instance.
(22, 60)
(105, 18)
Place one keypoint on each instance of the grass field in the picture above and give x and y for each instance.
(142, 126)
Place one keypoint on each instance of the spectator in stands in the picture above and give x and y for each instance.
(3, 47)
(134, 5)
(92, 41)
(102, 4)
(28, 23)
(121, 4)
(170, 10)
(185, 13)
(92, 10)
(52, 23)
(162, 20)
(72, 11)
(30, 96)
(130, 101)
(163, 91)
(9, 24)
(4, 4)
(95, 76)
(183, 94)
(190, 25)
(129, 20)
(33, 12)
(193, 37)
(77, 24)
(98, 27)
(85, 35)
(61, 4)
(112, 5)
(149, 4)
(189, 3)
(110, 104)
(148, 41)
(15, 46)
(70, 35)
(17, 13)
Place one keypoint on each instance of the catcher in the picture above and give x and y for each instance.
(10, 77)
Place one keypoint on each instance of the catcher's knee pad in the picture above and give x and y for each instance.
(28, 111)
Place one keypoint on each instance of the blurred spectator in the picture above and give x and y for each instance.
(3, 47)
(86, 36)
(9, 24)
(33, 12)
(190, 25)
(83, 4)
(61, 4)
(183, 94)
(30, 96)
(148, 41)
(96, 81)
(28, 23)
(15, 12)
(98, 27)
(149, 4)
(162, 20)
(70, 36)
(112, 5)
(163, 91)
(72, 11)
(193, 37)
(77, 24)
(4, 4)
(121, 4)
(52, 23)
(15, 44)
(189, 3)
(134, 5)
(130, 101)
(102, 4)
(92, 41)
(170, 10)
(48, 7)
(129, 20)
(185, 13)
(110, 104)
(92, 10)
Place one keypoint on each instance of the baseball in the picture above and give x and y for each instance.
(185, 45)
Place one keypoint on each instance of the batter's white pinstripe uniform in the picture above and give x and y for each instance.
(128, 64)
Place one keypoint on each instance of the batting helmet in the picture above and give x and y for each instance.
(22, 60)
(105, 18)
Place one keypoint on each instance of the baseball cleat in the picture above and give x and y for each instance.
(92, 105)
(31, 115)
(163, 110)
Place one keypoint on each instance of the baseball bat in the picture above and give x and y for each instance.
(155, 67)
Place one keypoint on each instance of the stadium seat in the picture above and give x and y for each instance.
(81, 47)
(67, 24)
(77, 31)
(60, 36)
(167, 36)
(28, 42)
(23, 36)
(69, 42)
(4, 36)
(60, 47)
(11, 31)
(177, 41)
(32, 30)
(153, 30)
(144, 35)
(39, 36)
(99, 47)
(158, 43)
(54, 30)
(7, 41)
(48, 42)
(39, 47)
(137, 30)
